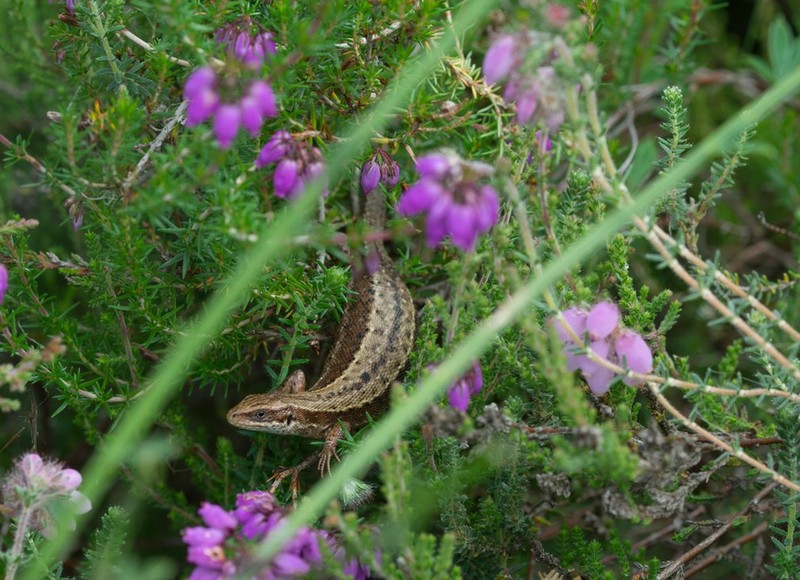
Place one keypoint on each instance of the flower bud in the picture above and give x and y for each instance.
(499, 59)
(226, 125)
(370, 175)
(3, 282)
(634, 354)
(276, 149)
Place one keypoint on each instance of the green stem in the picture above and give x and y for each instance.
(15, 557)
(101, 34)
(791, 515)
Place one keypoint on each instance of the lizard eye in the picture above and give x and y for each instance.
(289, 419)
(259, 415)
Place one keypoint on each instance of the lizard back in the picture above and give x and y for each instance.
(375, 334)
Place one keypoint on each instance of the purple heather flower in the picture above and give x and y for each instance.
(297, 164)
(290, 565)
(70, 479)
(600, 332)
(512, 89)
(465, 387)
(70, 5)
(75, 211)
(256, 501)
(3, 282)
(35, 486)
(276, 149)
(548, 144)
(575, 318)
(314, 170)
(259, 524)
(240, 47)
(251, 49)
(263, 95)
(370, 175)
(540, 148)
(211, 558)
(500, 58)
(420, 197)
(392, 175)
(352, 568)
(202, 91)
(257, 512)
(488, 208)
(251, 115)
(456, 204)
(206, 574)
(286, 178)
(226, 124)
(216, 517)
(380, 168)
(219, 550)
(599, 380)
(201, 79)
(299, 555)
(599, 348)
(200, 536)
(439, 166)
(634, 354)
(356, 570)
(526, 104)
(306, 545)
(536, 92)
(201, 107)
(261, 45)
(602, 319)
(458, 396)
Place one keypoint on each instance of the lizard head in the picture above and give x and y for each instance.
(273, 413)
(263, 413)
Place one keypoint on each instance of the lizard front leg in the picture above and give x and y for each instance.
(329, 449)
(280, 474)
(325, 455)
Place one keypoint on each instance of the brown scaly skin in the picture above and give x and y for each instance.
(371, 348)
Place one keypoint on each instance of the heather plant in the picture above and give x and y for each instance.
(39, 494)
(592, 204)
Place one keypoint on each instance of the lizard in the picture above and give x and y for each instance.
(372, 345)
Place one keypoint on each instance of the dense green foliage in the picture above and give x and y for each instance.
(177, 282)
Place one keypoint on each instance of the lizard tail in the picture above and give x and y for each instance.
(375, 210)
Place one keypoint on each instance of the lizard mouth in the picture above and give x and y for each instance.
(231, 417)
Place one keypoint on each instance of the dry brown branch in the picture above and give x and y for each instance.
(678, 564)
(719, 443)
(718, 554)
